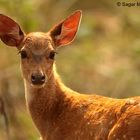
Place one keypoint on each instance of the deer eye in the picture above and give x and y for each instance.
(23, 54)
(52, 55)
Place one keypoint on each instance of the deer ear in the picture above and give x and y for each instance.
(10, 31)
(64, 32)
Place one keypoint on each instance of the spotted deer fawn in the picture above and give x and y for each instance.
(58, 112)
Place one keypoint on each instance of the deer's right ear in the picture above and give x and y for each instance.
(10, 32)
(64, 32)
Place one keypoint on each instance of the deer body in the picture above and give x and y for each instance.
(58, 112)
(62, 114)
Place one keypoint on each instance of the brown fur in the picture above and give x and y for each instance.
(67, 115)
(60, 113)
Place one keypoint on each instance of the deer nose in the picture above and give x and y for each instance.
(37, 79)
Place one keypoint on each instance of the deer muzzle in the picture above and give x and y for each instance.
(38, 78)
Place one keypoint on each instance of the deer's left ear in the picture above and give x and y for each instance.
(10, 32)
(64, 32)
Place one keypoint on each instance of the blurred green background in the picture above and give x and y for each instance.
(104, 58)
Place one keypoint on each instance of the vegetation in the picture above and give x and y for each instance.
(104, 59)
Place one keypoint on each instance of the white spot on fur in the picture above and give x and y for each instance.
(111, 122)
(81, 133)
(124, 136)
(130, 101)
(118, 125)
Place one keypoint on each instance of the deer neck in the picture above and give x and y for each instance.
(43, 102)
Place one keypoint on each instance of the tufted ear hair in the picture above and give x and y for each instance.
(10, 32)
(64, 32)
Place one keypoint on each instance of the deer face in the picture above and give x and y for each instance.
(37, 50)
(37, 58)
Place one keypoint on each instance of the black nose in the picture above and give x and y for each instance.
(37, 79)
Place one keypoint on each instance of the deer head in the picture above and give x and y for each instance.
(37, 49)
